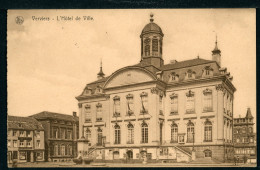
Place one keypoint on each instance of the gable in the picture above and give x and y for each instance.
(129, 76)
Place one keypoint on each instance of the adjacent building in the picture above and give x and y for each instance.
(25, 139)
(180, 111)
(245, 137)
(61, 134)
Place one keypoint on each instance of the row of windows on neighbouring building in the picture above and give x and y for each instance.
(190, 105)
(22, 133)
(62, 149)
(243, 130)
(23, 143)
(61, 133)
(244, 140)
(175, 137)
(244, 150)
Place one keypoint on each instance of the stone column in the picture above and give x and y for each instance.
(220, 110)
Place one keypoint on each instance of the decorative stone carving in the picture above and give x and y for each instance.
(116, 98)
(207, 91)
(219, 87)
(98, 105)
(143, 94)
(173, 95)
(190, 93)
(129, 96)
(154, 90)
(107, 97)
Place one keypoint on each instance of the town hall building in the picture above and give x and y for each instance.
(153, 111)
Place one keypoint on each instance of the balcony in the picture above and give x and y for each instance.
(130, 142)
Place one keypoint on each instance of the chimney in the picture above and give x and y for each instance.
(74, 114)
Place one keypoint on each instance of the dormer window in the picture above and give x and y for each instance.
(87, 91)
(98, 90)
(174, 77)
(190, 74)
(207, 71)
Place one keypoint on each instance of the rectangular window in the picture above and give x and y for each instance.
(9, 143)
(21, 143)
(38, 134)
(117, 107)
(99, 112)
(87, 113)
(22, 155)
(130, 135)
(39, 156)
(28, 133)
(14, 133)
(144, 104)
(38, 144)
(130, 105)
(22, 133)
(62, 133)
(15, 143)
(174, 105)
(55, 133)
(190, 104)
(28, 143)
(207, 101)
(161, 105)
(69, 134)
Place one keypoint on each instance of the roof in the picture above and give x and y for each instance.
(25, 123)
(152, 27)
(186, 63)
(248, 113)
(52, 115)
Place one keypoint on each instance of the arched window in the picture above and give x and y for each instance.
(155, 44)
(174, 133)
(208, 153)
(190, 132)
(147, 47)
(130, 133)
(129, 154)
(88, 134)
(208, 131)
(99, 137)
(144, 133)
(174, 103)
(117, 134)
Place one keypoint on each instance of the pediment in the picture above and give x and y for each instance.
(129, 76)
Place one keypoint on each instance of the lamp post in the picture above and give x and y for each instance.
(193, 140)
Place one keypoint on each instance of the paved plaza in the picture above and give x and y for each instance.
(71, 164)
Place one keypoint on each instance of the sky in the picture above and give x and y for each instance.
(50, 62)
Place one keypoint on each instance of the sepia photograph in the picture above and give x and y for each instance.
(131, 88)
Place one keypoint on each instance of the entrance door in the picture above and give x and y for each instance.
(15, 155)
(129, 154)
(28, 156)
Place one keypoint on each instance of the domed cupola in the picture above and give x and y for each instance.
(151, 44)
